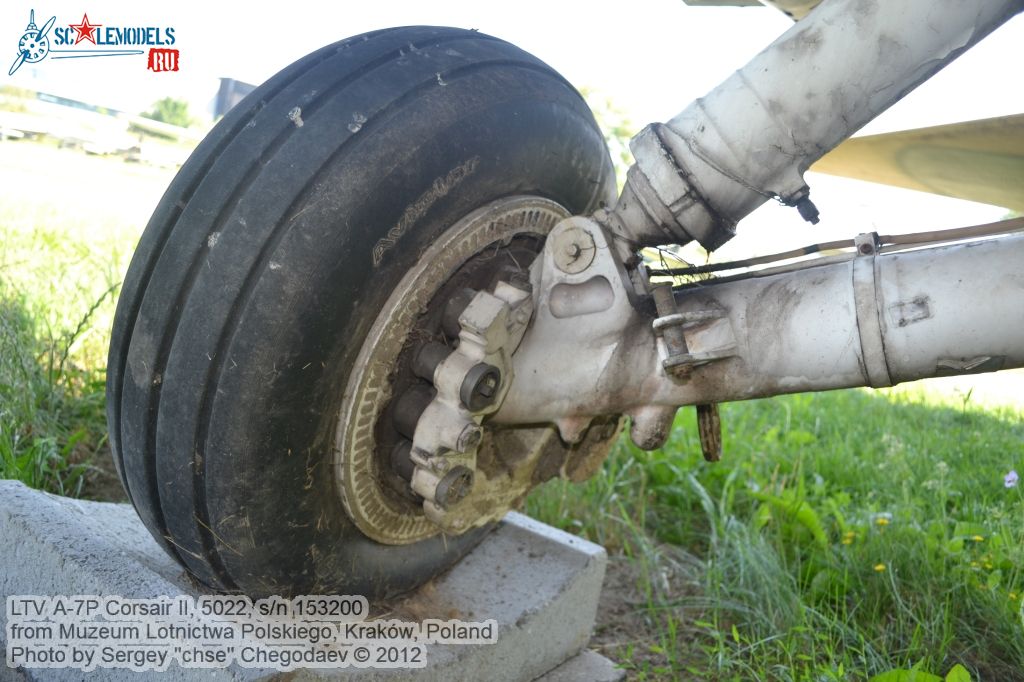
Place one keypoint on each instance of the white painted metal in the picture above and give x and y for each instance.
(492, 325)
(912, 314)
(754, 135)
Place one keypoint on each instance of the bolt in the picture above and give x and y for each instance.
(469, 438)
(665, 304)
(573, 249)
(479, 389)
(454, 487)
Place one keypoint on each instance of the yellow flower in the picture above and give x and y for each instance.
(879, 567)
(848, 537)
(978, 538)
(1013, 596)
(988, 566)
(847, 541)
(882, 521)
(975, 564)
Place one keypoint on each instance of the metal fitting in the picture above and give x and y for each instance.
(469, 438)
(454, 487)
(573, 249)
(480, 387)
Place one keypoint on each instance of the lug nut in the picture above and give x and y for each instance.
(479, 389)
(469, 438)
(454, 487)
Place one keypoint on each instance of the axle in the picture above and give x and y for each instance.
(873, 319)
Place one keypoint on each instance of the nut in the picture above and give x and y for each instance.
(454, 487)
(469, 438)
(573, 250)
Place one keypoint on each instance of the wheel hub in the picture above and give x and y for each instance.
(412, 458)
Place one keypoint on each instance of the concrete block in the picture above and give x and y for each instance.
(541, 585)
(586, 665)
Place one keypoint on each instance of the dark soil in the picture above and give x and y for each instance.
(101, 482)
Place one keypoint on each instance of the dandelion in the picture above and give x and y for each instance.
(882, 521)
(988, 566)
(1013, 596)
(975, 565)
(879, 568)
(1010, 479)
(978, 538)
(848, 537)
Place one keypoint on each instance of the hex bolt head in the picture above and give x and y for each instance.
(454, 487)
(479, 389)
(469, 438)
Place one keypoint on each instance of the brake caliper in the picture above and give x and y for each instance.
(470, 382)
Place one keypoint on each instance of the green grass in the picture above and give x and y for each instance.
(51, 410)
(843, 535)
(66, 243)
(52, 358)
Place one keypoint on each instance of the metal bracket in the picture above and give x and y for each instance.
(867, 301)
(673, 326)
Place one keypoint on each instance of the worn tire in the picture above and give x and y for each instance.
(264, 265)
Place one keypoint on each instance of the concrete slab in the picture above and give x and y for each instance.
(586, 665)
(541, 586)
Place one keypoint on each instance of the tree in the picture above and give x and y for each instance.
(170, 110)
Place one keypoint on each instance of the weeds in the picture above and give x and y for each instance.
(52, 421)
(844, 535)
(60, 268)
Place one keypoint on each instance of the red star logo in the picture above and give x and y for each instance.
(85, 30)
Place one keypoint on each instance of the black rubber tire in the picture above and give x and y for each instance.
(256, 280)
